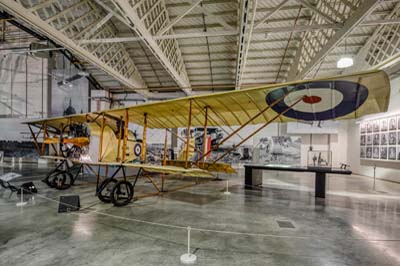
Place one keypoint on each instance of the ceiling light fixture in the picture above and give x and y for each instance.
(345, 61)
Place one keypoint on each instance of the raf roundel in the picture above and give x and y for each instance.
(322, 100)
(137, 149)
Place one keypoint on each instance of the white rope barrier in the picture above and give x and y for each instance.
(190, 258)
(216, 231)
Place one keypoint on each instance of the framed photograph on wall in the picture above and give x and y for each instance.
(369, 127)
(362, 153)
(375, 152)
(375, 125)
(363, 140)
(392, 153)
(369, 139)
(384, 125)
(392, 123)
(363, 128)
(384, 139)
(368, 152)
(384, 152)
(376, 139)
(392, 138)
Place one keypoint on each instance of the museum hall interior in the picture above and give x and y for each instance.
(199, 132)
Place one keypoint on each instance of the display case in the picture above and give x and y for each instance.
(319, 158)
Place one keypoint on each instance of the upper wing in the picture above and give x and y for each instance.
(341, 97)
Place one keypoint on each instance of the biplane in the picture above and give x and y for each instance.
(103, 138)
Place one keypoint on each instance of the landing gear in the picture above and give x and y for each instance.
(105, 189)
(122, 193)
(60, 180)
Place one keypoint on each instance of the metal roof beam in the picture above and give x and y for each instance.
(216, 18)
(93, 29)
(176, 69)
(191, 35)
(316, 10)
(244, 39)
(354, 20)
(178, 18)
(361, 57)
(270, 14)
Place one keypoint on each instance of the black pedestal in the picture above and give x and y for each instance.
(320, 179)
(248, 177)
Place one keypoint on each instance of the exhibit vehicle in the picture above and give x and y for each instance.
(103, 138)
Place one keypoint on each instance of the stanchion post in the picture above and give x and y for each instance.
(374, 175)
(188, 258)
(22, 203)
(226, 192)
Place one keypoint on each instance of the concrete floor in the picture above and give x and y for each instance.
(355, 225)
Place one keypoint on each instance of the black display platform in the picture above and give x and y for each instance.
(69, 203)
(320, 174)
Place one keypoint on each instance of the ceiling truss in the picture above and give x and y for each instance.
(180, 45)
(67, 22)
(147, 18)
(315, 47)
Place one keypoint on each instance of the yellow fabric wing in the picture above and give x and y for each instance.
(237, 107)
(174, 170)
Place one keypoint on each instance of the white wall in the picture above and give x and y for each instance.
(336, 143)
(23, 86)
(384, 170)
(99, 101)
(15, 130)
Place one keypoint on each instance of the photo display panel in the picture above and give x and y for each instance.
(380, 139)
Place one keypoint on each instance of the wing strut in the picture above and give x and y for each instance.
(125, 135)
(240, 128)
(205, 133)
(188, 134)
(258, 130)
(119, 139)
(144, 138)
(165, 147)
(183, 140)
(44, 136)
(164, 158)
(34, 139)
(101, 138)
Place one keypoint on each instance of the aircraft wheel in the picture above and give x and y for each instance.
(4, 184)
(49, 179)
(105, 189)
(60, 181)
(122, 193)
